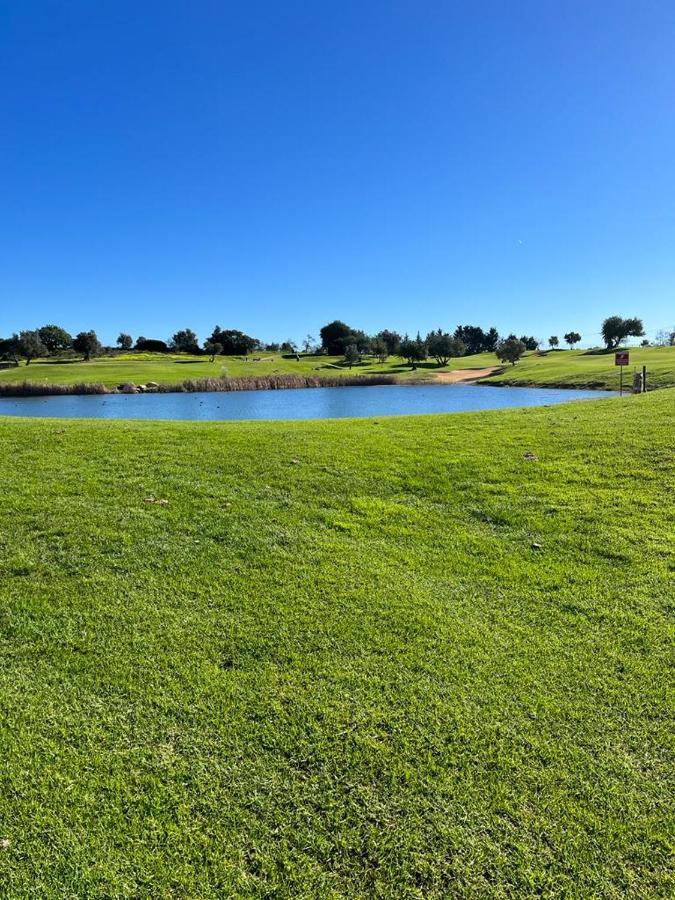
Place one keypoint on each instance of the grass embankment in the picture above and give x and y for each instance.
(392, 658)
(566, 368)
(582, 368)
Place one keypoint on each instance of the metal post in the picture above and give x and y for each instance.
(620, 381)
(644, 379)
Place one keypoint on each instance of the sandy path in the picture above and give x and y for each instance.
(465, 375)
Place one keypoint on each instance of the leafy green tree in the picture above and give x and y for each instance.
(55, 339)
(553, 341)
(352, 355)
(234, 343)
(9, 348)
(213, 348)
(491, 340)
(184, 341)
(87, 343)
(572, 338)
(124, 341)
(443, 346)
(362, 340)
(615, 330)
(413, 350)
(510, 350)
(31, 346)
(379, 349)
(392, 340)
(475, 339)
(335, 337)
(531, 343)
(151, 345)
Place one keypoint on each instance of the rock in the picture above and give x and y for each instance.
(536, 546)
(529, 456)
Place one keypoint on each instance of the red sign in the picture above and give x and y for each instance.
(621, 358)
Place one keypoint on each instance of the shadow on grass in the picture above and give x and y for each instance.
(58, 362)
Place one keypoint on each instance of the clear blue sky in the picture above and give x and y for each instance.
(271, 166)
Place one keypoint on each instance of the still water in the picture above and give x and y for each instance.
(308, 403)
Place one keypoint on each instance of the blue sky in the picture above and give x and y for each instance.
(271, 166)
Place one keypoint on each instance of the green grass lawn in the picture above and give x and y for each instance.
(360, 658)
(170, 368)
(569, 368)
(582, 368)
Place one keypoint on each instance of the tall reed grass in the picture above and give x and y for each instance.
(194, 385)
(274, 382)
(45, 389)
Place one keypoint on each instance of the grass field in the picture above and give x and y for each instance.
(170, 368)
(391, 658)
(581, 368)
(569, 368)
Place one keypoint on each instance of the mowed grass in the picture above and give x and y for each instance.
(583, 368)
(171, 368)
(392, 658)
(566, 368)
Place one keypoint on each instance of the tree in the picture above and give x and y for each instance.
(87, 343)
(531, 343)
(615, 330)
(413, 351)
(308, 343)
(443, 346)
(335, 336)
(184, 341)
(151, 345)
(553, 341)
(380, 349)
(234, 343)
(55, 339)
(9, 348)
(665, 337)
(213, 348)
(362, 340)
(510, 350)
(124, 341)
(476, 340)
(572, 338)
(472, 336)
(491, 340)
(392, 340)
(289, 346)
(31, 346)
(352, 354)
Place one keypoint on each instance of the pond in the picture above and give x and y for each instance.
(308, 403)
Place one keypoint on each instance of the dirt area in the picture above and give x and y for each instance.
(466, 375)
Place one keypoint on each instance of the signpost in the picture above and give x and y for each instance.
(621, 358)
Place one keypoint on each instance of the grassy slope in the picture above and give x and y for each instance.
(337, 663)
(569, 367)
(139, 368)
(581, 368)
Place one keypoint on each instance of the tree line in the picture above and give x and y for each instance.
(336, 339)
